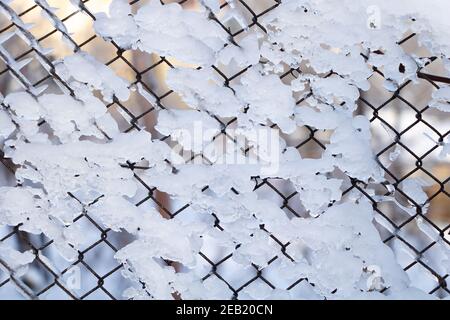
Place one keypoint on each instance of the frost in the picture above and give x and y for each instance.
(167, 30)
(395, 154)
(246, 54)
(262, 291)
(322, 117)
(441, 99)
(268, 99)
(316, 191)
(93, 168)
(348, 236)
(201, 90)
(255, 250)
(334, 90)
(143, 256)
(119, 25)
(192, 129)
(397, 68)
(27, 208)
(445, 152)
(84, 68)
(350, 147)
(23, 105)
(305, 74)
(6, 125)
(212, 288)
(413, 188)
(68, 117)
(308, 176)
(332, 43)
(189, 180)
(68, 177)
(213, 5)
(15, 260)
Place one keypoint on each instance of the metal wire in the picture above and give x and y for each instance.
(372, 110)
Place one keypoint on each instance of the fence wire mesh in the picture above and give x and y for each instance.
(405, 112)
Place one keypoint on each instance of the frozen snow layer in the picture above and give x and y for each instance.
(167, 30)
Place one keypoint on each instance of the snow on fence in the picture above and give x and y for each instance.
(224, 150)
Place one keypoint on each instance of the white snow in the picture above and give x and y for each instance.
(6, 125)
(246, 54)
(192, 129)
(268, 99)
(413, 188)
(167, 30)
(67, 166)
(201, 90)
(441, 99)
(14, 259)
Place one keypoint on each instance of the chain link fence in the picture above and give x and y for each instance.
(96, 273)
